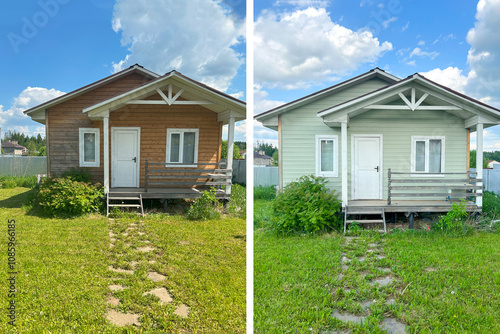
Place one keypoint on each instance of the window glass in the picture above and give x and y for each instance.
(89, 149)
(188, 147)
(420, 156)
(435, 156)
(175, 147)
(326, 155)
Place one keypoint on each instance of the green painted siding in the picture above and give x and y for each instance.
(299, 128)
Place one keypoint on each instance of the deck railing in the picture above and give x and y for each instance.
(160, 174)
(459, 185)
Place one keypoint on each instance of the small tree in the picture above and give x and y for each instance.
(275, 161)
(236, 151)
(473, 160)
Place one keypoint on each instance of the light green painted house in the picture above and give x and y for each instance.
(354, 132)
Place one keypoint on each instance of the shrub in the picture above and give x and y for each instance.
(66, 197)
(78, 175)
(453, 221)
(206, 207)
(261, 192)
(237, 206)
(9, 182)
(491, 204)
(306, 205)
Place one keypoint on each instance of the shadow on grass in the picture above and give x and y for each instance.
(17, 200)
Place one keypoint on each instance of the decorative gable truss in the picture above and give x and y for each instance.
(170, 98)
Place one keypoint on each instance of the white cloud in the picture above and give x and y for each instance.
(195, 37)
(411, 63)
(303, 3)
(451, 77)
(240, 131)
(420, 53)
(297, 49)
(14, 118)
(238, 95)
(261, 103)
(421, 43)
(263, 134)
(406, 26)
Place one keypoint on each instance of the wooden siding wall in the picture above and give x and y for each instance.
(154, 120)
(64, 120)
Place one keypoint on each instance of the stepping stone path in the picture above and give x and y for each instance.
(121, 319)
(381, 282)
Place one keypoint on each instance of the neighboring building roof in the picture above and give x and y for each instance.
(257, 155)
(9, 144)
(134, 68)
(373, 73)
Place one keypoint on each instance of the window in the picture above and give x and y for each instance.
(427, 154)
(89, 147)
(327, 156)
(182, 146)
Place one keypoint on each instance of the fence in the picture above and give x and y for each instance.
(265, 176)
(491, 179)
(22, 166)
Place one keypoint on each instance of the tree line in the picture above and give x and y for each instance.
(36, 145)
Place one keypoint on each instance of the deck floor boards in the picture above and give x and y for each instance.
(163, 193)
(408, 205)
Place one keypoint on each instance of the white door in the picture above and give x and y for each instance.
(125, 160)
(367, 167)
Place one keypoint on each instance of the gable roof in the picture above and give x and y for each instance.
(65, 97)
(373, 73)
(9, 144)
(223, 104)
(458, 104)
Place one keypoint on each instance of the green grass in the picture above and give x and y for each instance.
(442, 283)
(63, 274)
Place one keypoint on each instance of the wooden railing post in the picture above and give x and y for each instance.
(389, 186)
(146, 175)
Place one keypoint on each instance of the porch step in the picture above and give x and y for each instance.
(364, 211)
(123, 202)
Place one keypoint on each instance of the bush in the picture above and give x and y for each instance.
(453, 221)
(491, 204)
(66, 197)
(78, 175)
(306, 205)
(237, 206)
(206, 207)
(261, 192)
(9, 182)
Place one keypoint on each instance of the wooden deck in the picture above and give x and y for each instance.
(164, 193)
(375, 206)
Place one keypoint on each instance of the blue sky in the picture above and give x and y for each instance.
(313, 44)
(50, 47)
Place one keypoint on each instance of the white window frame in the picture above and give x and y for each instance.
(426, 139)
(81, 136)
(335, 172)
(181, 146)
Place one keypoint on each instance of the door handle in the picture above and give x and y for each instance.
(376, 168)
(135, 159)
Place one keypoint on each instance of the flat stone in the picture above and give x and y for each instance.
(367, 304)
(119, 270)
(112, 239)
(380, 257)
(123, 319)
(182, 311)
(134, 263)
(125, 234)
(161, 293)
(155, 276)
(386, 270)
(390, 301)
(350, 239)
(145, 249)
(113, 301)
(141, 233)
(111, 245)
(348, 317)
(361, 259)
(383, 281)
(341, 276)
(370, 251)
(111, 234)
(152, 261)
(430, 269)
(146, 241)
(345, 260)
(116, 287)
(393, 326)
(372, 245)
(344, 267)
(182, 242)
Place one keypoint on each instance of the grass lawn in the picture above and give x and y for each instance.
(440, 283)
(63, 277)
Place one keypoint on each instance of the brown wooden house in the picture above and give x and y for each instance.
(137, 131)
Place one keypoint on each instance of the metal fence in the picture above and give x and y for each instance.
(265, 176)
(22, 166)
(491, 179)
